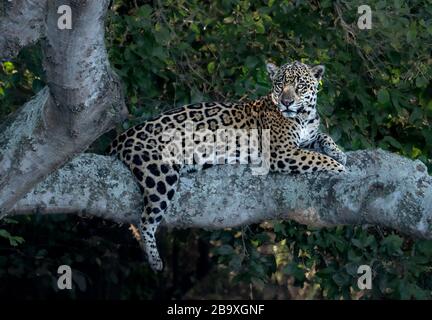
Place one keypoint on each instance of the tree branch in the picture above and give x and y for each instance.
(381, 189)
(83, 99)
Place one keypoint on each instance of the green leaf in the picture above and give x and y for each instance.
(421, 82)
(228, 20)
(279, 228)
(392, 141)
(295, 270)
(259, 27)
(144, 11)
(425, 247)
(211, 67)
(15, 241)
(225, 249)
(383, 97)
(9, 67)
(341, 279)
(392, 244)
(4, 234)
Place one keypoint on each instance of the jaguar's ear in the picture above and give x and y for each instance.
(318, 71)
(271, 69)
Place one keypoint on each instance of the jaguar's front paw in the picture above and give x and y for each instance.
(340, 157)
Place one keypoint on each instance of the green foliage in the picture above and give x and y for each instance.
(376, 92)
(13, 240)
(19, 80)
(101, 261)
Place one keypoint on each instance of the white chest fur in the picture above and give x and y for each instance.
(308, 130)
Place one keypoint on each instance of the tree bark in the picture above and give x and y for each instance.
(82, 100)
(21, 24)
(381, 188)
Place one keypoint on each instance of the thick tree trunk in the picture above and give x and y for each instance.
(380, 189)
(83, 98)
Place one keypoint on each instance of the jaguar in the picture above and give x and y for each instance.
(287, 113)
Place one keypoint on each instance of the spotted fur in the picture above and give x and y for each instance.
(288, 111)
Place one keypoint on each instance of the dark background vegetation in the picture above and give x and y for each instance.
(376, 93)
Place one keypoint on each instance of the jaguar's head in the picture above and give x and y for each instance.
(295, 87)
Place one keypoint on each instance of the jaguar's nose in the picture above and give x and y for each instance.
(287, 101)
